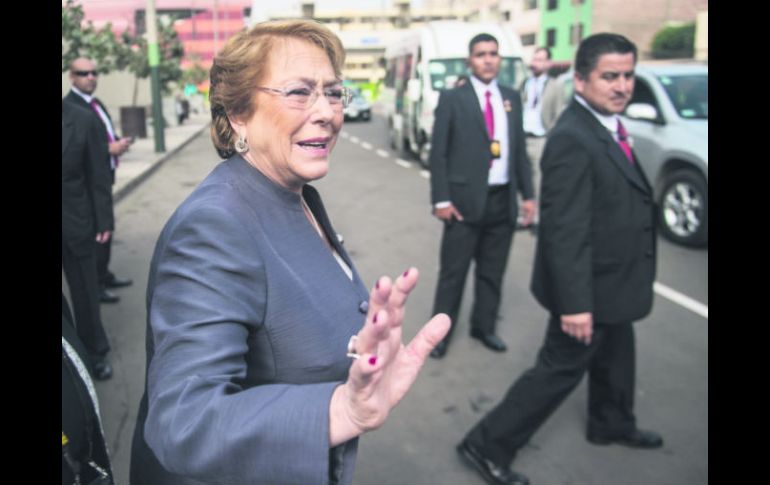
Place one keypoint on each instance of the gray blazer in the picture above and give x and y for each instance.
(249, 316)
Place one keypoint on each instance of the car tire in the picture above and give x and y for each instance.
(683, 209)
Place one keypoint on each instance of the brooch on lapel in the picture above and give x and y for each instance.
(507, 105)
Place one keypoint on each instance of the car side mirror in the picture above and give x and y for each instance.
(413, 89)
(642, 111)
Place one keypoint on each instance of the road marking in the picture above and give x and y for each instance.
(682, 300)
(345, 134)
(382, 153)
(425, 174)
(354, 139)
(366, 145)
(403, 163)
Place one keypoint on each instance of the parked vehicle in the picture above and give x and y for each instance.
(358, 108)
(428, 60)
(667, 120)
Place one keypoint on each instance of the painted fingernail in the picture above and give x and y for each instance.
(377, 285)
(406, 273)
(372, 360)
(374, 320)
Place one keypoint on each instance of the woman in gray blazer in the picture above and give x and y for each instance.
(266, 355)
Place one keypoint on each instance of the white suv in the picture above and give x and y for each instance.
(667, 119)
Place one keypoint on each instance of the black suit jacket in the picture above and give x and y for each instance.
(460, 152)
(86, 179)
(77, 100)
(596, 242)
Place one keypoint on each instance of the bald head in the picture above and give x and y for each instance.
(83, 74)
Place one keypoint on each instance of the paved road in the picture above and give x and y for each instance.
(380, 206)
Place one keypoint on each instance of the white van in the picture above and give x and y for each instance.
(428, 60)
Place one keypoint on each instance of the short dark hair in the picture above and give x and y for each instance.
(544, 49)
(595, 46)
(481, 38)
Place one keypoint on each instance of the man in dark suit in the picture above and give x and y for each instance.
(86, 221)
(478, 161)
(594, 271)
(84, 77)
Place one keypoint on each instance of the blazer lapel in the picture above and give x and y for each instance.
(613, 150)
(472, 104)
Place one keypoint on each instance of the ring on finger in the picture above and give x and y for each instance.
(352, 347)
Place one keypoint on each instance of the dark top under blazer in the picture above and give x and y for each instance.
(596, 242)
(86, 190)
(460, 153)
(249, 316)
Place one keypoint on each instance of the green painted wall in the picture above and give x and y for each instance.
(561, 19)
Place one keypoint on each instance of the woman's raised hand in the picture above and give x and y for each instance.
(385, 369)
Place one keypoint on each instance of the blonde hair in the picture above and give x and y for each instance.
(243, 63)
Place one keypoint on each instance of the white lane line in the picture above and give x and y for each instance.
(424, 174)
(366, 145)
(382, 153)
(345, 134)
(354, 139)
(682, 300)
(403, 163)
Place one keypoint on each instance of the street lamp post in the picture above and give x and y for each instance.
(153, 55)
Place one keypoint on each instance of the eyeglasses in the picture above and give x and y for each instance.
(304, 97)
(94, 73)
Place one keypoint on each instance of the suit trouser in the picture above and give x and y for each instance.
(80, 272)
(488, 243)
(560, 365)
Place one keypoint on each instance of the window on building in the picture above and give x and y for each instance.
(528, 39)
(553, 4)
(530, 4)
(578, 2)
(575, 33)
(550, 38)
(507, 16)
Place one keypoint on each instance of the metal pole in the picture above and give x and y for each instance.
(153, 55)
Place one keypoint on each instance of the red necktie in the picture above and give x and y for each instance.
(622, 137)
(489, 118)
(95, 105)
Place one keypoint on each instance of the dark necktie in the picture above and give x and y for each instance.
(489, 119)
(623, 142)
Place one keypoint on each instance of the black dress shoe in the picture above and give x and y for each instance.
(490, 341)
(102, 369)
(108, 297)
(116, 282)
(492, 472)
(439, 350)
(635, 439)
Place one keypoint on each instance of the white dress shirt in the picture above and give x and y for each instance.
(498, 172)
(608, 121)
(533, 120)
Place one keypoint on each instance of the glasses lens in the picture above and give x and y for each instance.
(86, 73)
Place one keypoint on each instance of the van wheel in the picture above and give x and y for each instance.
(683, 209)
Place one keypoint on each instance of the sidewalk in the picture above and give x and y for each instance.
(141, 160)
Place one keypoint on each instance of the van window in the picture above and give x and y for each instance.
(444, 72)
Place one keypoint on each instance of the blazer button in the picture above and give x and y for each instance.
(363, 307)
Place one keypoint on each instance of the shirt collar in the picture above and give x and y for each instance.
(83, 95)
(482, 88)
(608, 121)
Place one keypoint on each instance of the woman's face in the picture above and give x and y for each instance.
(291, 144)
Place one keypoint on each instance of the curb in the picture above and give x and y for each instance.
(119, 194)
